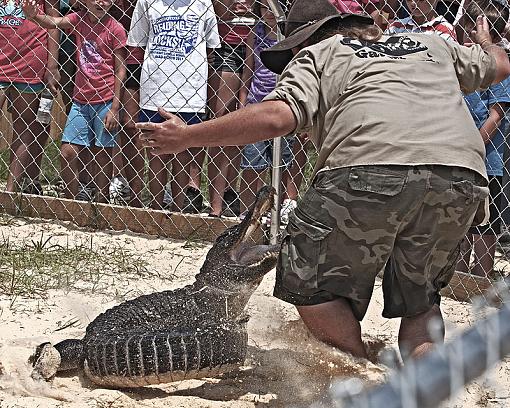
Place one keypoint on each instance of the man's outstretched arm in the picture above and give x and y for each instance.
(261, 121)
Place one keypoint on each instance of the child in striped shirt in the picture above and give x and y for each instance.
(423, 18)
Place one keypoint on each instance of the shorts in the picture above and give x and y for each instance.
(23, 87)
(352, 220)
(259, 156)
(133, 73)
(229, 58)
(85, 125)
(493, 227)
(154, 117)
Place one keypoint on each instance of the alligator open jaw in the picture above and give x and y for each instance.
(244, 251)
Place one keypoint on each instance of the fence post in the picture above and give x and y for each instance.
(276, 173)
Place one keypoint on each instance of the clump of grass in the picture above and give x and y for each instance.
(32, 268)
(7, 220)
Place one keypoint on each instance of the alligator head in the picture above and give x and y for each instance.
(235, 265)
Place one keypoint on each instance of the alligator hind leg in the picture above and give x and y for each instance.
(47, 359)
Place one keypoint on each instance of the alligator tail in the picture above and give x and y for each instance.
(153, 357)
(72, 354)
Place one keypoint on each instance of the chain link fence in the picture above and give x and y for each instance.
(74, 155)
(440, 375)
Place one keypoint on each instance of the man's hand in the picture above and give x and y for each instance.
(481, 34)
(167, 137)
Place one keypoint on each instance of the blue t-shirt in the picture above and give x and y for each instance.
(479, 104)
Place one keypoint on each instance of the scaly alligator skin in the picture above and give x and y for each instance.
(191, 332)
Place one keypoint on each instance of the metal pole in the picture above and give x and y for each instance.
(433, 379)
(276, 173)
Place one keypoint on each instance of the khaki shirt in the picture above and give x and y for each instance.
(396, 102)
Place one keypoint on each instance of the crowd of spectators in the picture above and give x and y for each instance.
(119, 62)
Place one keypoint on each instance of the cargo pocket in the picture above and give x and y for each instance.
(304, 246)
(474, 193)
(378, 180)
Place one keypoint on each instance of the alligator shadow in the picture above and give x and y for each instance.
(274, 378)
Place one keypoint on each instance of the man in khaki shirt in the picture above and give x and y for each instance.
(400, 172)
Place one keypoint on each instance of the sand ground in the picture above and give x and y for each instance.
(285, 367)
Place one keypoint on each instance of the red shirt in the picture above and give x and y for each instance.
(95, 43)
(233, 34)
(23, 45)
(135, 55)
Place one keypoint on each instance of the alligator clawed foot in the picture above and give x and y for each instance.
(46, 361)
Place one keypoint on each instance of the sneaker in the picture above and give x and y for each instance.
(287, 207)
(194, 201)
(85, 193)
(266, 219)
(504, 238)
(29, 186)
(120, 193)
(231, 203)
(168, 200)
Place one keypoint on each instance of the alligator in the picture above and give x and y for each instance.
(192, 332)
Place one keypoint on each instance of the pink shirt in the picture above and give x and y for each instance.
(23, 45)
(233, 34)
(351, 6)
(95, 43)
(135, 55)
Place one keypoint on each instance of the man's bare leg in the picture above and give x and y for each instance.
(334, 323)
(414, 338)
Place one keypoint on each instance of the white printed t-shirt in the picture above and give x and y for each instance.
(175, 35)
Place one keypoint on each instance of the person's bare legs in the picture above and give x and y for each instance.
(104, 166)
(251, 182)
(234, 163)
(195, 167)
(223, 89)
(414, 338)
(180, 178)
(70, 164)
(130, 147)
(88, 168)
(466, 247)
(158, 176)
(334, 323)
(28, 140)
(296, 172)
(217, 168)
(484, 248)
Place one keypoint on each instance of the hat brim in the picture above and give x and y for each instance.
(279, 55)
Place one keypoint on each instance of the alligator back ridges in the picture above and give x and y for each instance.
(141, 359)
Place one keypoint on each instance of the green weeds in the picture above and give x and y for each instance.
(32, 268)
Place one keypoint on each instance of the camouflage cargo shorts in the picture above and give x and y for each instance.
(352, 221)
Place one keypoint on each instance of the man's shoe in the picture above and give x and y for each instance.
(119, 190)
(287, 207)
(231, 203)
(29, 186)
(194, 201)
